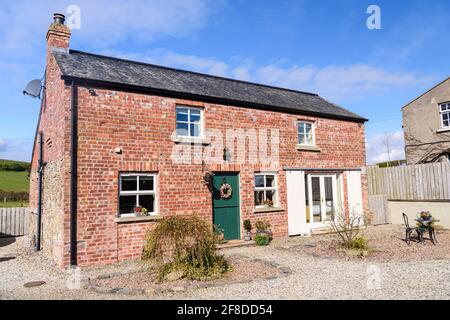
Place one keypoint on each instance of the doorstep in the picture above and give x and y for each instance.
(235, 244)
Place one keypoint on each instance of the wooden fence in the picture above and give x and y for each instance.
(416, 182)
(378, 205)
(13, 222)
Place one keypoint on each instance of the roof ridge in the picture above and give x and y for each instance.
(192, 72)
(429, 90)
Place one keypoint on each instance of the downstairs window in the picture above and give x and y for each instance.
(137, 191)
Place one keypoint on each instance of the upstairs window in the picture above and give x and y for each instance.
(189, 122)
(306, 133)
(137, 190)
(445, 115)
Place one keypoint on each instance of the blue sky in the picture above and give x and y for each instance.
(319, 46)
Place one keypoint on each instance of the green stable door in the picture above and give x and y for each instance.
(226, 214)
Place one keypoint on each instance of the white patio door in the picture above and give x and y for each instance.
(322, 199)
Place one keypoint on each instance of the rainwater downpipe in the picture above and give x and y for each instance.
(39, 207)
(73, 175)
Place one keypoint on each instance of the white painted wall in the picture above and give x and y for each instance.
(440, 210)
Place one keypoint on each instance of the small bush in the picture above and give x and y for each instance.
(262, 239)
(186, 245)
(358, 243)
(14, 196)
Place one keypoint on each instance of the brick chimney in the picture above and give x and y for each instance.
(58, 34)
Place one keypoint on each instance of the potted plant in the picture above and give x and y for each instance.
(141, 211)
(425, 215)
(263, 233)
(268, 203)
(248, 230)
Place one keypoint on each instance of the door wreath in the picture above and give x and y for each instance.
(225, 191)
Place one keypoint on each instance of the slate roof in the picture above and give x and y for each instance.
(131, 74)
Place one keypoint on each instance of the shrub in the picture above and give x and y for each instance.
(345, 227)
(248, 225)
(10, 165)
(14, 195)
(186, 245)
(358, 243)
(262, 239)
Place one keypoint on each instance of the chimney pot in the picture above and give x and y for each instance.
(59, 18)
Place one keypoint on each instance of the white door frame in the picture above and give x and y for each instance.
(323, 224)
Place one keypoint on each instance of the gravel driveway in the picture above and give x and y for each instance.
(311, 278)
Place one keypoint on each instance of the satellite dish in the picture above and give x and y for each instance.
(33, 89)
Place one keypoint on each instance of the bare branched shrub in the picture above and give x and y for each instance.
(186, 245)
(347, 228)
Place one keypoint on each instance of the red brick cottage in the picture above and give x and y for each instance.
(119, 136)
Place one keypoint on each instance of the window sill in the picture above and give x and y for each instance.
(137, 219)
(262, 210)
(307, 148)
(190, 140)
(443, 130)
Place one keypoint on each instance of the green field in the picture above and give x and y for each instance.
(14, 181)
(13, 178)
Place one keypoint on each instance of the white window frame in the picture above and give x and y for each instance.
(313, 133)
(447, 112)
(201, 123)
(138, 192)
(265, 188)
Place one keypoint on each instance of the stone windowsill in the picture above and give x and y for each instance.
(443, 130)
(307, 148)
(269, 209)
(137, 219)
(189, 140)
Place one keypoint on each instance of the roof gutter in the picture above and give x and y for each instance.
(191, 96)
(322, 169)
(73, 174)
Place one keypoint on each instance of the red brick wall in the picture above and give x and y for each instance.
(142, 126)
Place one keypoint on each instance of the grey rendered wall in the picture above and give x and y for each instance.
(421, 122)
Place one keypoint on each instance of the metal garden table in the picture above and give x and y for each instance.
(424, 225)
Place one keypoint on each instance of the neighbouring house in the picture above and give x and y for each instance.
(126, 143)
(426, 125)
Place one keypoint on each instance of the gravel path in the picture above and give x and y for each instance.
(311, 277)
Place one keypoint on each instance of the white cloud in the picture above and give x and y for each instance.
(338, 83)
(377, 147)
(103, 22)
(3, 145)
(15, 149)
(349, 82)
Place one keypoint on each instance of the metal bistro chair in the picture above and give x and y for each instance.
(409, 230)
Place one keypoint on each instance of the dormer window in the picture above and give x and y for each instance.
(445, 115)
(306, 133)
